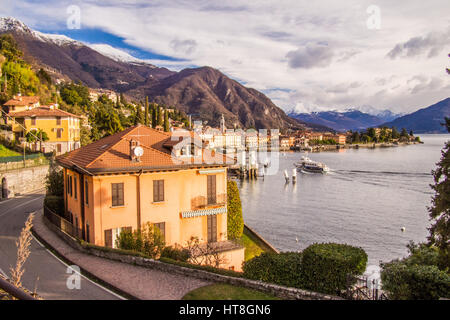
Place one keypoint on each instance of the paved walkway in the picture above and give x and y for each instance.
(140, 282)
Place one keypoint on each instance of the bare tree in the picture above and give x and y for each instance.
(205, 254)
(23, 252)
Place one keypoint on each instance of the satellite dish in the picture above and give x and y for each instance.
(138, 151)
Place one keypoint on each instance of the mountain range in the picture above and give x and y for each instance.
(204, 92)
(426, 120)
(344, 121)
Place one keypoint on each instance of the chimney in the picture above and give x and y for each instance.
(134, 156)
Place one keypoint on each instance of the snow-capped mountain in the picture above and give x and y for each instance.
(204, 91)
(117, 54)
(9, 24)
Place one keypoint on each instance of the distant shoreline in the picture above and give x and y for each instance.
(326, 148)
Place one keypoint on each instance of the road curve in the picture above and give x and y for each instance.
(43, 270)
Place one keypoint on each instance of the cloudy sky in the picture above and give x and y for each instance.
(307, 55)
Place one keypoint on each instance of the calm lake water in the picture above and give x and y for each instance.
(368, 196)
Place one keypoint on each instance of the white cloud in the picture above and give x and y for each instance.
(310, 56)
(316, 55)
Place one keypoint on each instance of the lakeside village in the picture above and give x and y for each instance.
(141, 184)
(167, 193)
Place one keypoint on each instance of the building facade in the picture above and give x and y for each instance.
(180, 188)
(62, 128)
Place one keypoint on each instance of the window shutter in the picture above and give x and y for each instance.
(161, 190)
(155, 190)
(75, 186)
(121, 200)
(108, 238)
(211, 189)
(113, 195)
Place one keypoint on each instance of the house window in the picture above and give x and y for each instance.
(86, 192)
(58, 148)
(212, 228)
(33, 121)
(162, 229)
(117, 194)
(87, 232)
(192, 149)
(111, 236)
(58, 121)
(75, 187)
(58, 133)
(70, 185)
(211, 189)
(158, 190)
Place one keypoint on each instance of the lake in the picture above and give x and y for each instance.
(368, 196)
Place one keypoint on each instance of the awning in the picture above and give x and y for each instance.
(203, 212)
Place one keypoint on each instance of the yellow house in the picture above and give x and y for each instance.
(142, 175)
(21, 103)
(61, 127)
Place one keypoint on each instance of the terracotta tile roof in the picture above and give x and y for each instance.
(22, 101)
(43, 111)
(112, 154)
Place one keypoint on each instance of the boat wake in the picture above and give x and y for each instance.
(413, 174)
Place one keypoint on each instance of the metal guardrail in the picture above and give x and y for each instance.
(63, 224)
(14, 291)
(27, 157)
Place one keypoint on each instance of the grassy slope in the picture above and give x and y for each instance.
(226, 292)
(5, 152)
(252, 249)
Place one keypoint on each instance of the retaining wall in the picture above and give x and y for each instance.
(276, 290)
(24, 180)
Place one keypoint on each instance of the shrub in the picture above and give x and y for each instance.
(280, 268)
(178, 254)
(54, 181)
(55, 204)
(235, 221)
(422, 254)
(403, 281)
(326, 266)
(148, 241)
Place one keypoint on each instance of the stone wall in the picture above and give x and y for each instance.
(276, 290)
(23, 180)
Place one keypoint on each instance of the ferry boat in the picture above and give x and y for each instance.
(308, 165)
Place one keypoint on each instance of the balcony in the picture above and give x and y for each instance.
(210, 210)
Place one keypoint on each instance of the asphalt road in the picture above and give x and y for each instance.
(43, 270)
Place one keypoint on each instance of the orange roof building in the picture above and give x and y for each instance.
(21, 103)
(61, 127)
(142, 175)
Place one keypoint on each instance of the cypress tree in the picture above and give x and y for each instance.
(139, 116)
(166, 121)
(146, 112)
(440, 208)
(160, 117)
(235, 221)
(154, 115)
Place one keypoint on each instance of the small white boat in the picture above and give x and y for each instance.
(308, 165)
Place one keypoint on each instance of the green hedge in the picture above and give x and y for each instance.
(235, 221)
(178, 254)
(403, 281)
(326, 266)
(280, 268)
(55, 204)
